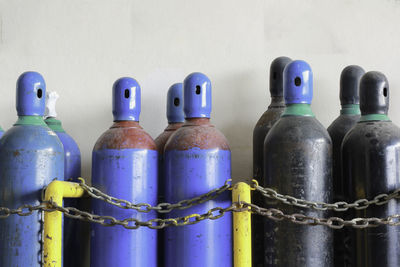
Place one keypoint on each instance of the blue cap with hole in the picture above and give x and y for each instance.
(197, 96)
(31, 94)
(175, 103)
(298, 83)
(126, 100)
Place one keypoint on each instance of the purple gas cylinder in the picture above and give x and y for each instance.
(125, 165)
(75, 232)
(197, 159)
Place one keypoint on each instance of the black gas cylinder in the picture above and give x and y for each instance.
(371, 166)
(349, 116)
(264, 124)
(298, 162)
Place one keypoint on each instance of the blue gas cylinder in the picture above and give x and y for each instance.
(31, 156)
(124, 165)
(75, 232)
(197, 159)
(175, 121)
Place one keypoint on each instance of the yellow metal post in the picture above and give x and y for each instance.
(56, 191)
(241, 227)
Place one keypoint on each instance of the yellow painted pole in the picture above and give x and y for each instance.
(52, 236)
(241, 227)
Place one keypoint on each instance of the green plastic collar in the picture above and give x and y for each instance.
(350, 109)
(375, 117)
(298, 110)
(30, 120)
(55, 125)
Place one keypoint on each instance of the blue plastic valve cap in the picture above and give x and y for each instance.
(298, 83)
(31, 94)
(126, 100)
(197, 96)
(175, 103)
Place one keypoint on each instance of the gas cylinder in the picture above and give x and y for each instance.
(264, 124)
(124, 165)
(370, 153)
(197, 159)
(31, 156)
(74, 230)
(175, 121)
(297, 162)
(349, 116)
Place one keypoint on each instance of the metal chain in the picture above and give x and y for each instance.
(359, 204)
(212, 214)
(162, 207)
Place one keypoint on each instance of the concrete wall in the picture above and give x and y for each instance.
(82, 47)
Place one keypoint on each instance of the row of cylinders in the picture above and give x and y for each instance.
(191, 158)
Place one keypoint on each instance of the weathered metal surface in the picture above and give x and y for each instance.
(264, 124)
(197, 159)
(349, 116)
(297, 162)
(175, 118)
(31, 156)
(125, 166)
(371, 163)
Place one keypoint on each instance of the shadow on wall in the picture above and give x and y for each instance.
(235, 120)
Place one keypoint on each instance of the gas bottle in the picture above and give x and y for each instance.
(31, 156)
(370, 153)
(175, 121)
(264, 124)
(297, 162)
(74, 230)
(124, 165)
(197, 159)
(349, 116)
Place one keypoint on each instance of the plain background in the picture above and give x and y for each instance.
(82, 47)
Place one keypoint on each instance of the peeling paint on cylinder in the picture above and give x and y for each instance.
(197, 159)
(74, 231)
(349, 116)
(124, 165)
(31, 156)
(370, 158)
(297, 162)
(264, 124)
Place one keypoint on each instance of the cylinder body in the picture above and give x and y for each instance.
(125, 166)
(342, 241)
(370, 167)
(297, 160)
(75, 233)
(198, 159)
(261, 130)
(31, 156)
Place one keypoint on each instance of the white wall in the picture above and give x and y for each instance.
(81, 47)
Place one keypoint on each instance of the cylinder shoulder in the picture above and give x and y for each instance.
(297, 129)
(70, 146)
(372, 134)
(197, 136)
(125, 138)
(342, 124)
(28, 137)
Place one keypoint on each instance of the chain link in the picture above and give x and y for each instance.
(359, 204)
(217, 212)
(160, 208)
